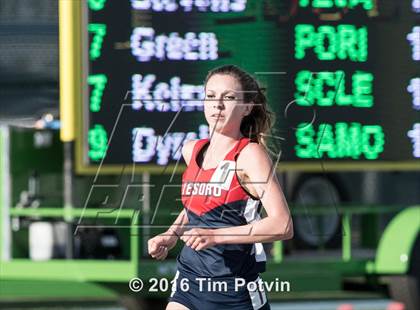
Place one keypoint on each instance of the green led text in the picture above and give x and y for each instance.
(98, 83)
(340, 140)
(344, 42)
(98, 140)
(326, 4)
(327, 88)
(96, 5)
(99, 32)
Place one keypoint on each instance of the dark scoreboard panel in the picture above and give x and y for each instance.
(341, 75)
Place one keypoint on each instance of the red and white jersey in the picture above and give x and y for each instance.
(214, 198)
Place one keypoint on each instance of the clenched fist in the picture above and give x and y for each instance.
(160, 245)
(199, 238)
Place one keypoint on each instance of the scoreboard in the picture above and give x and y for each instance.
(342, 77)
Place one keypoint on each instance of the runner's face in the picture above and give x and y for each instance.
(224, 107)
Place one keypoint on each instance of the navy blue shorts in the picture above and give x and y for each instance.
(201, 293)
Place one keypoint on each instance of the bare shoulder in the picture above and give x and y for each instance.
(254, 156)
(187, 150)
(254, 151)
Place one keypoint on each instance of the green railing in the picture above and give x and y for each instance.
(77, 269)
(123, 270)
(346, 213)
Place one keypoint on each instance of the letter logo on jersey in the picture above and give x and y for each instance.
(223, 175)
(201, 189)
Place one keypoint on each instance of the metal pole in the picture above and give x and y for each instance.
(146, 209)
(68, 196)
(5, 196)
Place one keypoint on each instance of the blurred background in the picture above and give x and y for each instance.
(98, 96)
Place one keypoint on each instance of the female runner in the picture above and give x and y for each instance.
(228, 178)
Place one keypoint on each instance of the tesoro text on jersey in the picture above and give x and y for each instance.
(201, 188)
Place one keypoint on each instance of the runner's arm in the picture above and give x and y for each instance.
(278, 224)
(179, 225)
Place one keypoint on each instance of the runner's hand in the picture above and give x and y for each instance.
(160, 245)
(199, 238)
